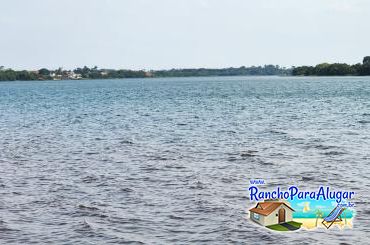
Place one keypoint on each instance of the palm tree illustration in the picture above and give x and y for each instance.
(345, 216)
(319, 214)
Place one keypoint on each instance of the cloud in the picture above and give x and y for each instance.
(301, 204)
(320, 207)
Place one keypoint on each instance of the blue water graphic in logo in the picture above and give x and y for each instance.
(313, 208)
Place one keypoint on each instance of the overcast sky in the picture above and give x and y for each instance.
(155, 34)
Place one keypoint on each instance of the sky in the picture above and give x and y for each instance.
(163, 34)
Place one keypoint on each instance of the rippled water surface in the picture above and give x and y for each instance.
(164, 161)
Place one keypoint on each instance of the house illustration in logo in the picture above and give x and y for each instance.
(271, 212)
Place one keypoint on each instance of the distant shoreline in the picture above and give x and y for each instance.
(150, 78)
(335, 69)
(96, 73)
(86, 73)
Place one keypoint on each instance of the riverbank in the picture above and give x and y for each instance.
(96, 73)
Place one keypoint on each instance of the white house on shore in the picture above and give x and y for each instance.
(271, 212)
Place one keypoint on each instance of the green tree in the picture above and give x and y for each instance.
(44, 72)
(366, 60)
(319, 214)
(366, 66)
(59, 71)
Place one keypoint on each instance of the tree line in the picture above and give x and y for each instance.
(266, 70)
(336, 69)
(96, 73)
(324, 69)
(60, 74)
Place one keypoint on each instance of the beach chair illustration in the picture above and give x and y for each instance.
(334, 216)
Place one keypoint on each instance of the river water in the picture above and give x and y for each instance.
(168, 161)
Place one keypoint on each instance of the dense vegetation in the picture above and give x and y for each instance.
(95, 73)
(324, 69)
(336, 69)
(266, 70)
(10, 75)
(60, 74)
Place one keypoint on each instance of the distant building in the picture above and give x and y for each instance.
(271, 212)
(148, 74)
(71, 75)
